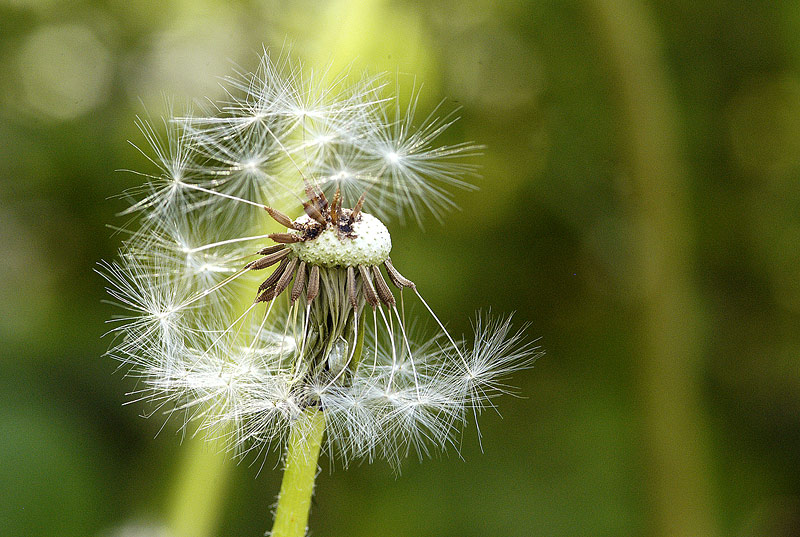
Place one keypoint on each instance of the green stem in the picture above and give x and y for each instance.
(671, 327)
(294, 501)
(199, 490)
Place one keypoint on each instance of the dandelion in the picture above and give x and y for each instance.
(294, 333)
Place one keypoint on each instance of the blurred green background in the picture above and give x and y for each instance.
(639, 206)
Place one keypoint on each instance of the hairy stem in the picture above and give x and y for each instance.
(294, 501)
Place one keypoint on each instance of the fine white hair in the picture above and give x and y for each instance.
(189, 331)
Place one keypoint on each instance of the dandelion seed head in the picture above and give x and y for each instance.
(370, 245)
(238, 330)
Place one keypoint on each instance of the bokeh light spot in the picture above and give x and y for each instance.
(64, 71)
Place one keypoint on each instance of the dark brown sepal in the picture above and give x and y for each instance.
(312, 211)
(286, 238)
(358, 206)
(268, 260)
(313, 284)
(397, 279)
(351, 287)
(335, 206)
(369, 291)
(282, 219)
(266, 296)
(271, 249)
(299, 282)
(322, 201)
(286, 277)
(384, 293)
(275, 276)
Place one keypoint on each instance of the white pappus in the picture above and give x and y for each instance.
(239, 326)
